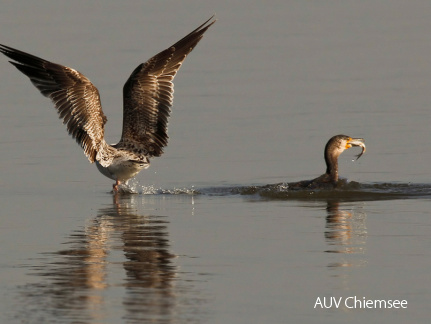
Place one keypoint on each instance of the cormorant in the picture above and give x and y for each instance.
(335, 146)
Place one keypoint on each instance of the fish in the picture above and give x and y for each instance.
(362, 145)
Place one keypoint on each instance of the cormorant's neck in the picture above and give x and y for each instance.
(331, 159)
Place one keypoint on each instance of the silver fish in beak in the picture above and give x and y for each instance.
(358, 142)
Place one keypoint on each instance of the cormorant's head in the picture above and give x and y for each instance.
(335, 146)
(338, 143)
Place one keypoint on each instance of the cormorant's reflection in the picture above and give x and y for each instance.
(345, 232)
(120, 253)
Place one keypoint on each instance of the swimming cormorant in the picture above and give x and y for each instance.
(335, 146)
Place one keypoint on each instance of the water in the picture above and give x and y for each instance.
(204, 239)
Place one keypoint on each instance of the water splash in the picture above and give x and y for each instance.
(348, 191)
(133, 187)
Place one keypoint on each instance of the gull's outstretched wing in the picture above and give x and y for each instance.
(148, 95)
(76, 99)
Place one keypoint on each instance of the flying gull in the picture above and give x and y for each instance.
(147, 101)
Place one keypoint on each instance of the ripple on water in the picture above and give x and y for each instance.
(349, 191)
(346, 191)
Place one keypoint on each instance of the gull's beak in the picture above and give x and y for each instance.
(357, 142)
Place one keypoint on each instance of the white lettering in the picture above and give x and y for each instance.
(368, 304)
(355, 302)
(327, 303)
(345, 302)
(318, 302)
(337, 304)
(380, 302)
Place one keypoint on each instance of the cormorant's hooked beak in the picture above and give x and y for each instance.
(357, 142)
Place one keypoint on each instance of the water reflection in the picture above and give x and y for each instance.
(346, 233)
(118, 267)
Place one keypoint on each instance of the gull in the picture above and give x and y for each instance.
(147, 102)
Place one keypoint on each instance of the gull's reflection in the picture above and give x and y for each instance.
(119, 256)
(345, 233)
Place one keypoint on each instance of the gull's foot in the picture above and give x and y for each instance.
(115, 186)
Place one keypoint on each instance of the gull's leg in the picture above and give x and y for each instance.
(115, 186)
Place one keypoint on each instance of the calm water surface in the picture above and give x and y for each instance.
(255, 103)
